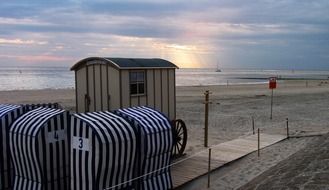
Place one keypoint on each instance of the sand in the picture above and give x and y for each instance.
(304, 104)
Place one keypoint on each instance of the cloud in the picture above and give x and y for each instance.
(36, 58)
(238, 32)
(21, 42)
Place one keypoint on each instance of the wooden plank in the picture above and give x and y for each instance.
(223, 153)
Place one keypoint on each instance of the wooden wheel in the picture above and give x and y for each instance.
(180, 138)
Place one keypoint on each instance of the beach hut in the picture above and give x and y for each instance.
(103, 83)
(8, 114)
(103, 152)
(155, 146)
(39, 148)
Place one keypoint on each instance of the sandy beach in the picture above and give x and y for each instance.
(305, 104)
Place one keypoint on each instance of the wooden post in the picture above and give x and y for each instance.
(226, 82)
(287, 121)
(253, 125)
(206, 118)
(271, 104)
(258, 142)
(209, 167)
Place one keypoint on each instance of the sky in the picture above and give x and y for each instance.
(257, 34)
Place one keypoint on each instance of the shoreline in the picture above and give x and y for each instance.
(279, 80)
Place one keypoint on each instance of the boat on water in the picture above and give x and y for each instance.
(218, 69)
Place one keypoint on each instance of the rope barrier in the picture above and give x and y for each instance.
(170, 165)
(275, 124)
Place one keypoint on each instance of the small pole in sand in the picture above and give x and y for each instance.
(253, 125)
(206, 117)
(226, 82)
(272, 85)
(287, 121)
(209, 167)
(258, 142)
(271, 104)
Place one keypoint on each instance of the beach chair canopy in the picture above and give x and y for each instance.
(40, 150)
(103, 151)
(29, 107)
(156, 143)
(8, 114)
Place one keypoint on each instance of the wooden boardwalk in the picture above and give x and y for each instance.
(221, 154)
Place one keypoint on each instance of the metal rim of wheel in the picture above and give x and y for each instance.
(180, 138)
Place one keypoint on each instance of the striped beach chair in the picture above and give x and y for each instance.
(155, 147)
(39, 147)
(29, 107)
(8, 114)
(103, 152)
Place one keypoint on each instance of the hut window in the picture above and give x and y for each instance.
(137, 83)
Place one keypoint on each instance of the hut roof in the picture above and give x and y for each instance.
(127, 63)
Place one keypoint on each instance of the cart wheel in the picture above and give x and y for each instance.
(180, 138)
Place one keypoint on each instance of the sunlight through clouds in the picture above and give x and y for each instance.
(238, 33)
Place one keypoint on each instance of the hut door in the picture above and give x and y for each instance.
(90, 97)
(97, 97)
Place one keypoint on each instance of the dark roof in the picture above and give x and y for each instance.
(128, 63)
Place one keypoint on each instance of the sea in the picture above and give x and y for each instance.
(28, 78)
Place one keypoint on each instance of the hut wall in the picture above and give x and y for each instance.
(157, 90)
(160, 91)
(100, 82)
(150, 88)
(125, 91)
(104, 87)
(98, 88)
(81, 89)
(39, 147)
(171, 94)
(114, 88)
(91, 87)
(165, 91)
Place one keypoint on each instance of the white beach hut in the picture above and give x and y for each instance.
(104, 83)
(39, 146)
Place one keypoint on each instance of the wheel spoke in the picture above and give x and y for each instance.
(180, 137)
(179, 129)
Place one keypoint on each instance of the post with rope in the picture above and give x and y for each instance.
(206, 117)
(209, 167)
(253, 124)
(287, 121)
(258, 142)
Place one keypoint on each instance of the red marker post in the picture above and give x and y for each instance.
(272, 86)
